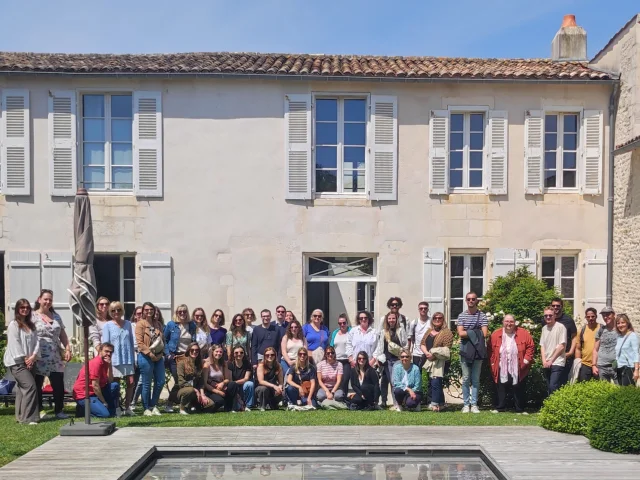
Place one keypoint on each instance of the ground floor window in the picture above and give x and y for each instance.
(339, 284)
(466, 274)
(116, 279)
(559, 271)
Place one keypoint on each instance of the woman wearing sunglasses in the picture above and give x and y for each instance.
(178, 335)
(330, 373)
(22, 351)
(270, 381)
(118, 333)
(241, 370)
(190, 381)
(102, 314)
(406, 380)
(238, 336)
(365, 384)
(292, 341)
(301, 381)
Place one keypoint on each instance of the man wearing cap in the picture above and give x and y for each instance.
(604, 352)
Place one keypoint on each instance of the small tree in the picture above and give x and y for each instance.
(524, 296)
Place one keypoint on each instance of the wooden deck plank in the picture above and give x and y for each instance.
(523, 453)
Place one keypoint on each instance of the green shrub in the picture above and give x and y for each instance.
(615, 423)
(570, 409)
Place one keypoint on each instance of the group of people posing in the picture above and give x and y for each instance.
(280, 362)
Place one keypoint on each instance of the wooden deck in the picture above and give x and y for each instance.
(522, 453)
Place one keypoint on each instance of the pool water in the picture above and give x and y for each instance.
(357, 468)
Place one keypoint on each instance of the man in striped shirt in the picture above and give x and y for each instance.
(471, 319)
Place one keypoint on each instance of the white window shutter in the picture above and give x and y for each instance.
(57, 272)
(534, 152)
(24, 278)
(498, 152)
(592, 152)
(298, 165)
(147, 144)
(433, 279)
(156, 281)
(506, 260)
(439, 152)
(595, 279)
(15, 143)
(63, 168)
(384, 147)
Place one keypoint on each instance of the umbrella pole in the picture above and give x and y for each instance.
(87, 402)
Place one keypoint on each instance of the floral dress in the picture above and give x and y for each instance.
(49, 336)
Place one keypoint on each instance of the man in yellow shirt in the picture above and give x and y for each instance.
(586, 343)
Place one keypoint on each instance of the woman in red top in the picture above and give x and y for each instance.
(510, 351)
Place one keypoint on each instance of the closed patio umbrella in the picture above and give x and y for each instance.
(82, 301)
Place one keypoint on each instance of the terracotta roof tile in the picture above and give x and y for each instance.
(628, 142)
(306, 65)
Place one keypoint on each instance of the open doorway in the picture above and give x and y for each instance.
(116, 279)
(340, 284)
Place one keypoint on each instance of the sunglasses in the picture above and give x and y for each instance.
(24, 307)
(395, 305)
(194, 350)
(116, 310)
(147, 310)
(280, 311)
(247, 314)
(471, 299)
(182, 312)
(549, 316)
(363, 318)
(342, 324)
(103, 304)
(423, 308)
(201, 316)
(137, 314)
(239, 353)
(438, 318)
(302, 354)
(361, 359)
(331, 353)
(403, 356)
(217, 315)
(269, 355)
(316, 316)
(294, 327)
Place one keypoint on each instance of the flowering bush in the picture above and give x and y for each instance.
(524, 296)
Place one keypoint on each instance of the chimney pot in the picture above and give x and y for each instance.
(569, 21)
(570, 43)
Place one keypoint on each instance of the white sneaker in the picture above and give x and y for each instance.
(262, 409)
(148, 413)
(43, 414)
(119, 412)
(33, 423)
(62, 416)
(183, 412)
(475, 409)
(156, 412)
(466, 409)
(168, 408)
(129, 412)
(397, 408)
(495, 411)
(247, 410)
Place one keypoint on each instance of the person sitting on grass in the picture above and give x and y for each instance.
(270, 381)
(330, 373)
(406, 379)
(301, 381)
(365, 384)
(216, 379)
(103, 391)
(190, 381)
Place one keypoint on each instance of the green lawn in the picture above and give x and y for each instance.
(16, 440)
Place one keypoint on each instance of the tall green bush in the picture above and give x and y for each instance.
(615, 422)
(524, 296)
(571, 408)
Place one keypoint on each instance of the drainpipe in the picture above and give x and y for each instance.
(613, 110)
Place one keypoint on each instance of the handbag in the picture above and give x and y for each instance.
(306, 387)
(157, 343)
(393, 347)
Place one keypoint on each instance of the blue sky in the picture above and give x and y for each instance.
(466, 28)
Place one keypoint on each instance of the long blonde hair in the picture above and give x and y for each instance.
(298, 364)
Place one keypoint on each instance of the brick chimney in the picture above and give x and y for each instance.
(570, 43)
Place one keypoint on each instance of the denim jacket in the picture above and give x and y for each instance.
(172, 336)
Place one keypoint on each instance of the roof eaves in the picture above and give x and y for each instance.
(627, 146)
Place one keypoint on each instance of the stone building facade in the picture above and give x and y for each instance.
(621, 56)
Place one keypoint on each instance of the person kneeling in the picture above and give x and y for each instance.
(365, 384)
(301, 381)
(103, 391)
(407, 382)
(190, 381)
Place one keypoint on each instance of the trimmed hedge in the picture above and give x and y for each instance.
(615, 422)
(571, 408)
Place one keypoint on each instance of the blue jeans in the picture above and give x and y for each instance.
(553, 376)
(151, 371)
(247, 393)
(470, 377)
(111, 394)
(435, 390)
(293, 395)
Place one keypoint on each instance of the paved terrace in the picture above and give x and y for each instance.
(522, 453)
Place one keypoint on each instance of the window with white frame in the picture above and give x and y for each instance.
(107, 141)
(466, 149)
(561, 150)
(340, 126)
(466, 274)
(559, 272)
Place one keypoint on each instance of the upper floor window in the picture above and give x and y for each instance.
(561, 150)
(466, 150)
(107, 142)
(340, 144)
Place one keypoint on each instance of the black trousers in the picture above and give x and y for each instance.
(518, 394)
(366, 399)
(419, 360)
(57, 384)
(346, 375)
(384, 386)
(625, 376)
(585, 374)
